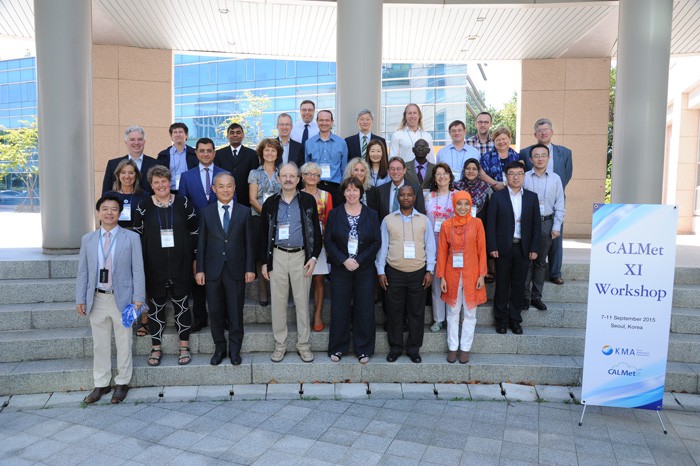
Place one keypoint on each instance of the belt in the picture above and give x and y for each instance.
(290, 250)
(516, 240)
(100, 290)
(547, 217)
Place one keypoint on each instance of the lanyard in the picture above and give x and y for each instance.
(102, 247)
(408, 132)
(170, 208)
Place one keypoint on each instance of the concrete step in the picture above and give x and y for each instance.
(45, 290)
(27, 345)
(76, 374)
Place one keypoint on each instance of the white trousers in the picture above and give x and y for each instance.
(439, 306)
(454, 341)
(104, 317)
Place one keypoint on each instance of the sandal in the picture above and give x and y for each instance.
(336, 357)
(153, 360)
(142, 331)
(363, 359)
(318, 327)
(187, 358)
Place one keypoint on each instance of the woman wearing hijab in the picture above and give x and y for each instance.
(461, 267)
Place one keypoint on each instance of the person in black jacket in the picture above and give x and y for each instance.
(288, 251)
(238, 160)
(179, 157)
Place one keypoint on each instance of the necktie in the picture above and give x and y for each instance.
(227, 218)
(235, 153)
(364, 145)
(207, 181)
(108, 260)
(305, 136)
(420, 174)
(395, 205)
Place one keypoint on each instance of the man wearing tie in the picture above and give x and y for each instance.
(419, 170)
(196, 186)
(238, 160)
(357, 143)
(306, 127)
(387, 194)
(225, 262)
(110, 276)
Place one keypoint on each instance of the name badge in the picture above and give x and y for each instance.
(438, 224)
(167, 238)
(426, 193)
(126, 212)
(541, 209)
(177, 182)
(283, 231)
(325, 170)
(474, 211)
(458, 260)
(409, 249)
(104, 276)
(352, 246)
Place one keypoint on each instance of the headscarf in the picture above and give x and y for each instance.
(477, 187)
(461, 220)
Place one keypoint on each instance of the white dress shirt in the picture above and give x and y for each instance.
(517, 200)
(402, 142)
(298, 130)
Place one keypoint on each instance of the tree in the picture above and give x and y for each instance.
(249, 116)
(19, 156)
(611, 124)
(507, 116)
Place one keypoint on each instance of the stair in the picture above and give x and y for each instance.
(45, 346)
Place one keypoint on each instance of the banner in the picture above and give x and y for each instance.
(630, 294)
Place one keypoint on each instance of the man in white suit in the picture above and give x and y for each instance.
(110, 277)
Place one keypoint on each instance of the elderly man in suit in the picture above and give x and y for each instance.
(357, 143)
(110, 276)
(513, 239)
(238, 160)
(561, 163)
(135, 140)
(225, 262)
(293, 150)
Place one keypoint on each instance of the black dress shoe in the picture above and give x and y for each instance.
(501, 329)
(217, 358)
(96, 394)
(415, 357)
(236, 359)
(517, 329)
(392, 357)
(120, 392)
(539, 304)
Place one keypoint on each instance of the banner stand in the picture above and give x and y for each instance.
(658, 413)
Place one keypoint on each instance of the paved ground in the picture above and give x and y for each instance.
(402, 430)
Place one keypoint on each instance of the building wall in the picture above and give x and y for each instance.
(131, 86)
(574, 94)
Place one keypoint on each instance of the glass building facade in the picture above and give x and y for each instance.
(209, 89)
(18, 97)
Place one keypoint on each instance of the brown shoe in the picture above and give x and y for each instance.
(451, 356)
(120, 392)
(463, 357)
(557, 280)
(96, 394)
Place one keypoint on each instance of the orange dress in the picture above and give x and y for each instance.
(452, 238)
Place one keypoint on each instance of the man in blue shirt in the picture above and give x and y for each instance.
(329, 151)
(458, 152)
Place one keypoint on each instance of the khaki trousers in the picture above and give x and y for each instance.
(104, 317)
(288, 269)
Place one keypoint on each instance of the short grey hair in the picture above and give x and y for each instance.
(310, 167)
(543, 121)
(132, 129)
(283, 115)
(289, 164)
(365, 111)
(220, 174)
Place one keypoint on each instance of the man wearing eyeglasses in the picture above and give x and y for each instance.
(482, 139)
(513, 239)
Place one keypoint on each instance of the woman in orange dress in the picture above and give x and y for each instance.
(461, 268)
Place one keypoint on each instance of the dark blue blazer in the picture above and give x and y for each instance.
(563, 162)
(191, 188)
(338, 229)
(190, 157)
(500, 223)
(353, 143)
(296, 152)
(232, 249)
(146, 165)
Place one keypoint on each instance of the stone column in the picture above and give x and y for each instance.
(644, 48)
(64, 78)
(358, 63)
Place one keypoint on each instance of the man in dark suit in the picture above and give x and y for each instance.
(357, 143)
(561, 162)
(225, 262)
(179, 157)
(196, 185)
(238, 160)
(293, 150)
(386, 201)
(513, 239)
(419, 170)
(135, 139)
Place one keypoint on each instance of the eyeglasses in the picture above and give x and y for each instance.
(312, 175)
(442, 175)
(515, 175)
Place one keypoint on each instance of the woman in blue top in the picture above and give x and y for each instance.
(493, 164)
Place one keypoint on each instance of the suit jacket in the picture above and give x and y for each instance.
(128, 279)
(563, 162)
(233, 249)
(190, 157)
(246, 160)
(354, 147)
(191, 188)
(413, 176)
(146, 165)
(383, 197)
(336, 237)
(500, 223)
(296, 152)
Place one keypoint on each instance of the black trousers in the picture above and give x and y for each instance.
(199, 304)
(508, 300)
(226, 296)
(405, 293)
(351, 295)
